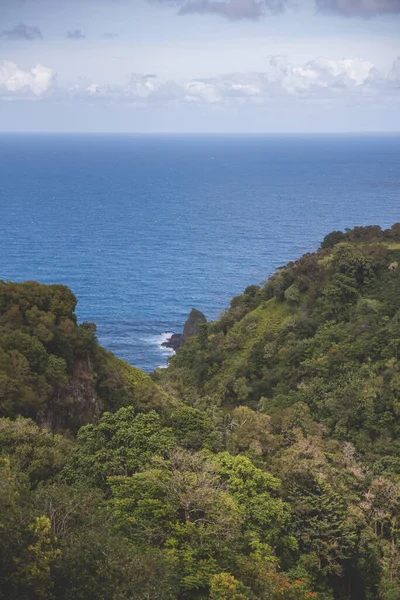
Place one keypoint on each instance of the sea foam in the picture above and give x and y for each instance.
(159, 340)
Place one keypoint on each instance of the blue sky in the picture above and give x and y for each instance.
(200, 65)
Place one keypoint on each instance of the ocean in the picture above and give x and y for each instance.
(143, 228)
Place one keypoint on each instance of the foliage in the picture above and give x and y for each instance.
(52, 369)
(119, 444)
(32, 450)
(263, 464)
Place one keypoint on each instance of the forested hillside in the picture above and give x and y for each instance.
(263, 464)
(324, 331)
(52, 369)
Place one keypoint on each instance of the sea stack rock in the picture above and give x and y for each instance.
(190, 330)
(192, 325)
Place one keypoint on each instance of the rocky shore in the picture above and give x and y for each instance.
(190, 329)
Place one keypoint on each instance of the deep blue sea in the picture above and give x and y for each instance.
(142, 229)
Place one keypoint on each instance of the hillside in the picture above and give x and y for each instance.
(52, 369)
(324, 331)
(263, 464)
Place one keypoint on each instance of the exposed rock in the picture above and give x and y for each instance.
(192, 325)
(174, 342)
(77, 403)
(190, 329)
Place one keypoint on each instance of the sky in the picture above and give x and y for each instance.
(200, 66)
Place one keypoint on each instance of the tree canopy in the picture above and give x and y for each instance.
(262, 464)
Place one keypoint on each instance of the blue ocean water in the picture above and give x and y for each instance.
(144, 228)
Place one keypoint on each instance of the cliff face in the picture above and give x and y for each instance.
(52, 369)
(74, 404)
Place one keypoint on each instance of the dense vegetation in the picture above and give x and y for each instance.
(263, 464)
(52, 369)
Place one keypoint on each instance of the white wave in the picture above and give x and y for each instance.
(158, 340)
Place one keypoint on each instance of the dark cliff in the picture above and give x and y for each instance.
(190, 330)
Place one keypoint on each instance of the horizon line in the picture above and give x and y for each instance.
(200, 133)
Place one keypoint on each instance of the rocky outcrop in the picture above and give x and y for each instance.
(174, 342)
(77, 403)
(192, 325)
(190, 330)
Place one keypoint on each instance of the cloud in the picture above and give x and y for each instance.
(14, 82)
(363, 8)
(319, 79)
(233, 10)
(336, 81)
(22, 32)
(254, 9)
(320, 75)
(109, 36)
(140, 90)
(204, 92)
(76, 34)
(328, 81)
(141, 87)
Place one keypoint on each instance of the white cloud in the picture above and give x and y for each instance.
(321, 79)
(15, 82)
(140, 90)
(341, 80)
(141, 86)
(320, 75)
(203, 92)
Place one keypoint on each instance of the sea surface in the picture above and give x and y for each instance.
(142, 229)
